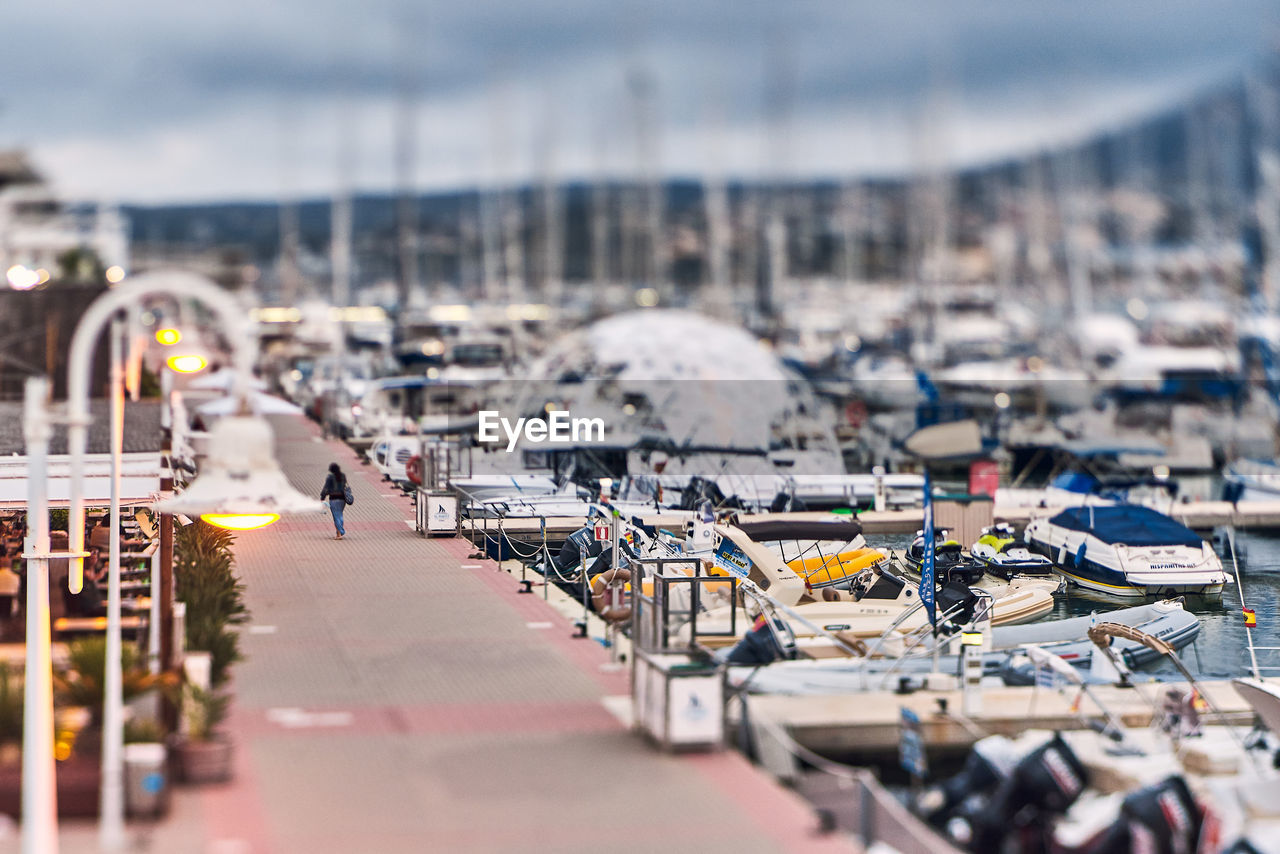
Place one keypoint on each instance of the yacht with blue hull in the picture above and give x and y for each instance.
(1127, 551)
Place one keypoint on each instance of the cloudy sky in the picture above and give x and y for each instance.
(143, 100)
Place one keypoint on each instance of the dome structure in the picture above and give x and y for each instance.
(672, 376)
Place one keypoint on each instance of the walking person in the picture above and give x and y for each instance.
(335, 492)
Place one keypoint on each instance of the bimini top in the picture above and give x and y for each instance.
(836, 530)
(1128, 524)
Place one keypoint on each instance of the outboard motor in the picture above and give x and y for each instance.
(990, 762)
(785, 502)
(1044, 783)
(966, 573)
(580, 544)
(955, 595)
(700, 489)
(758, 646)
(1163, 819)
(1160, 819)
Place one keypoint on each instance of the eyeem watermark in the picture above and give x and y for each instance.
(558, 428)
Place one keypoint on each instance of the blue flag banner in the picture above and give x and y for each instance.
(927, 586)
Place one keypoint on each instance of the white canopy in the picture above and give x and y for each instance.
(139, 479)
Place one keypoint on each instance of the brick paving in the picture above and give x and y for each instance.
(395, 698)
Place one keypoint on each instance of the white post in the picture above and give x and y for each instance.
(111, 820)
(166, 400)
(39, 789)
(153, 621)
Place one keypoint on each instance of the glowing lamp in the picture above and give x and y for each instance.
(240, 486)
(187, 363)
(241, 521)
(168, 336)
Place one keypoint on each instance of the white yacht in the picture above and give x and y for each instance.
(1127, 551)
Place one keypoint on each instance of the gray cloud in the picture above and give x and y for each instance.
(98, 91)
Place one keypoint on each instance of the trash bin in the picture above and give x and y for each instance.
(146, 780)
(679, 701)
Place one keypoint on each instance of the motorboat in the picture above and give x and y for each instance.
(1002, 554)
(826, 554)
(482, 488)
(1166, 620)
(408, 404)
(874, 604)
(1127, 551)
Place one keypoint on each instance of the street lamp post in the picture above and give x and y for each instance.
(39, 793)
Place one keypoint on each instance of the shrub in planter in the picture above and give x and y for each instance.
(204, 572)
(78, 758)
(203, 755)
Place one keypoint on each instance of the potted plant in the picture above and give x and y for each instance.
(78, 763)
(203, 755)
(206, 583)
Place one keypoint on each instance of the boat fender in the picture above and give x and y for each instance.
(603, 598)
(413, 470)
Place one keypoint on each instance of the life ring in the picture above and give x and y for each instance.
(855, 412)
(603, 600)
(413, 470)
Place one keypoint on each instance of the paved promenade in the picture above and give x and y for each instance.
(398, 697)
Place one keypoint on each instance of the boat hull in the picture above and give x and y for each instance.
(1124, 571)
(1093, 576)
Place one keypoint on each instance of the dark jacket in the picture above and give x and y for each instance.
(333, 486)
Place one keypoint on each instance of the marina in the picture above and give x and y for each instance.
(712, 428)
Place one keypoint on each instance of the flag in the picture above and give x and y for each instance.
(1250, 618)
(927, 568)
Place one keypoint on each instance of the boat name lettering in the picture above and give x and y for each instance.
(1063, 773)
(558, 428)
